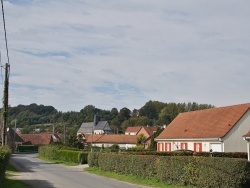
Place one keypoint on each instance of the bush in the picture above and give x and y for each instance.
(57, 152)
(67, 156)
(184, 170)
(27, 149)
(93, 159)
(48, 151)
(143, 166)
(5, 153)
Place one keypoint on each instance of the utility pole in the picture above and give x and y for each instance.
(5, 104)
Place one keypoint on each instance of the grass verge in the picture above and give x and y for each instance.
(59, 162)
(131, 179)
(10, 180)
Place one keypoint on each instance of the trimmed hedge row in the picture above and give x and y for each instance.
(5, 153)
(54, 152)
(27, 149)
(207, 172)
(242, 155)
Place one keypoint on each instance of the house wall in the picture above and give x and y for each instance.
(98, 132)
(130, 133)
(233, 141)
(123, 146)
(197, 145)
(144, 132)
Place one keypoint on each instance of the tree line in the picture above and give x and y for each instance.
(153, 113)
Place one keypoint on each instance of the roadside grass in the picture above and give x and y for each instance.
(10, 180)
(59, 162)
(131, 179)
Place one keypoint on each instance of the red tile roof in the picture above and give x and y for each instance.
(114, 138)
(36, 139)
(133, 129)
(150, 130)
(210, 123)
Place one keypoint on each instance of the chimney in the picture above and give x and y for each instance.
(97, 118)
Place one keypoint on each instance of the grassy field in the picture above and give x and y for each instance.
(132, 179)
(10, 181)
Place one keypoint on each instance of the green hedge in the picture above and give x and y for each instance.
(48, 151)
(27, 149)
(56, 152)
(5, 153)
(206, 172)
(242, 155)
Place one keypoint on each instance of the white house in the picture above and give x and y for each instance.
(107, 140)
(217, 129)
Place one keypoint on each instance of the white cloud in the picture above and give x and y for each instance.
(124, 53)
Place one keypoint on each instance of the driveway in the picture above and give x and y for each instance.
(40, 174)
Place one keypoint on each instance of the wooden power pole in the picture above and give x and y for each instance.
(5, 104)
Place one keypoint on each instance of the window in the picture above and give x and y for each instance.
(160, 147)
(184, 146)
(167, 146)
(198, 147)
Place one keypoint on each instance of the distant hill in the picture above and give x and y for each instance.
(153, 113)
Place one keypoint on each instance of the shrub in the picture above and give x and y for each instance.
(184, 170)
(93, 159)
(48, 151)
(27, 149)
(143, 166)
(57, 152)
(5, 153)
(67, 156)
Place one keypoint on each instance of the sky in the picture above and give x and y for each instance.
(116, 53)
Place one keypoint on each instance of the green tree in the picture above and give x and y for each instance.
(151, 109)
(26, 129)
(124, 114)
(153, 143)
(140, 140)
(74, 141)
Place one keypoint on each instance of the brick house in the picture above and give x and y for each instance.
(147, 131)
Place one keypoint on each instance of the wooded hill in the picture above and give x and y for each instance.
(153, 113)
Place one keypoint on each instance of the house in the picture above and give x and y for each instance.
(147, 131)
(107, 140)
(41, 139)
(96, 127)
(216, 129)
(36, 139)
(247, 138)
(132, 130)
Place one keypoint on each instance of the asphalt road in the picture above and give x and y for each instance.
(40, 174)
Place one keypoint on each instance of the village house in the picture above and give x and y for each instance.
(95, 127)
(14, 139)
(147, 131)
(107, 140)
(216, 129)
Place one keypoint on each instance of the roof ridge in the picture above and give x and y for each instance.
(216, 108)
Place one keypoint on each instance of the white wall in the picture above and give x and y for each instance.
(110, 144)
(233, 141)
(176, 144)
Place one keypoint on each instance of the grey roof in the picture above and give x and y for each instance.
(88, 127)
